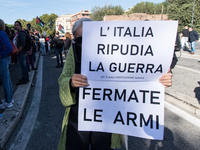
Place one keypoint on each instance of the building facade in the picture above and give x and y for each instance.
(81, 14)
(65, 22)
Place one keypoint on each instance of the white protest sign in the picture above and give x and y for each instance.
(123, 62)
(44, 32)
(130, 108)
(127, 50)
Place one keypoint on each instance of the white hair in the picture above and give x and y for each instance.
(79, 23)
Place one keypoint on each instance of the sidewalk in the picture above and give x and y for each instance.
(11, 116)
(188, 78)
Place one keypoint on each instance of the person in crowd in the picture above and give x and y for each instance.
(29, 57)
(14, 56)
(69, 83)
(5, 50)
(37, 42)
(184, 38)
(33, 48)
(47, 45)
(58, 50)
(68, 42)
(42, 45)
(20, 42)
(51, 43)
(193, 38)
(7, 30)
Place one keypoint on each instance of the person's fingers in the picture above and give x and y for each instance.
(79, 77)
(79, 84)
(79, 80)
(166, 80)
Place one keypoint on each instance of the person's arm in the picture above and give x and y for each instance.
(6, 44)
(181, 35)
(197, 35)
(66, 96)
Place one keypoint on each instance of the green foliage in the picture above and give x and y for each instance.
(181, 10)
(10, 26)
(99, 12)
(49, 25)
(149, 8)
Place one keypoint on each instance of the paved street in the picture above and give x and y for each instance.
(186, 74)
(178, 134)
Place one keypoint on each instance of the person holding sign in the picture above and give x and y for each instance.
(69, 82)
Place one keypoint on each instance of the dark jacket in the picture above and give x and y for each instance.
(21, 41)
(193, 36)
(67, 43)
(5, 46)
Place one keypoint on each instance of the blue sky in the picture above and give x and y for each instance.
(11, 10)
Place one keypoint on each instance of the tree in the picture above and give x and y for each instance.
(99, 12)
(181, 10)
(149, 8)
(49, 25)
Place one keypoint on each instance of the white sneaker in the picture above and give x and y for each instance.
(3, 101)
(5, 104)
(2, 106)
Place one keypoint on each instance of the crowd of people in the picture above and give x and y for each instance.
(189, 37)
(27, 44)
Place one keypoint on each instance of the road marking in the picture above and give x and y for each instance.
(24, 134)
(183, 114)
(189, 56)
(186, 68)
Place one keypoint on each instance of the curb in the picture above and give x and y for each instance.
(13, 115)
(183, 101)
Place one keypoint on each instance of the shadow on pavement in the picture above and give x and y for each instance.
(197, 92)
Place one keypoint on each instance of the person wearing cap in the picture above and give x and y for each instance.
(69, 82)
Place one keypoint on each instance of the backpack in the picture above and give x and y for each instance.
(28, 42)
(59, 43)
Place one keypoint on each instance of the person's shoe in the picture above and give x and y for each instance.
(61, 65)
(22, 82)
(57, 66)
(0, 83)
(3, 101)
(191, 52)
(8, 105)
(34, 69)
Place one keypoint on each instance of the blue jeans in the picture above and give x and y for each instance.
(5, 78)
(42, 49)
(22, 64)
(193, 44)
(58, 52)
